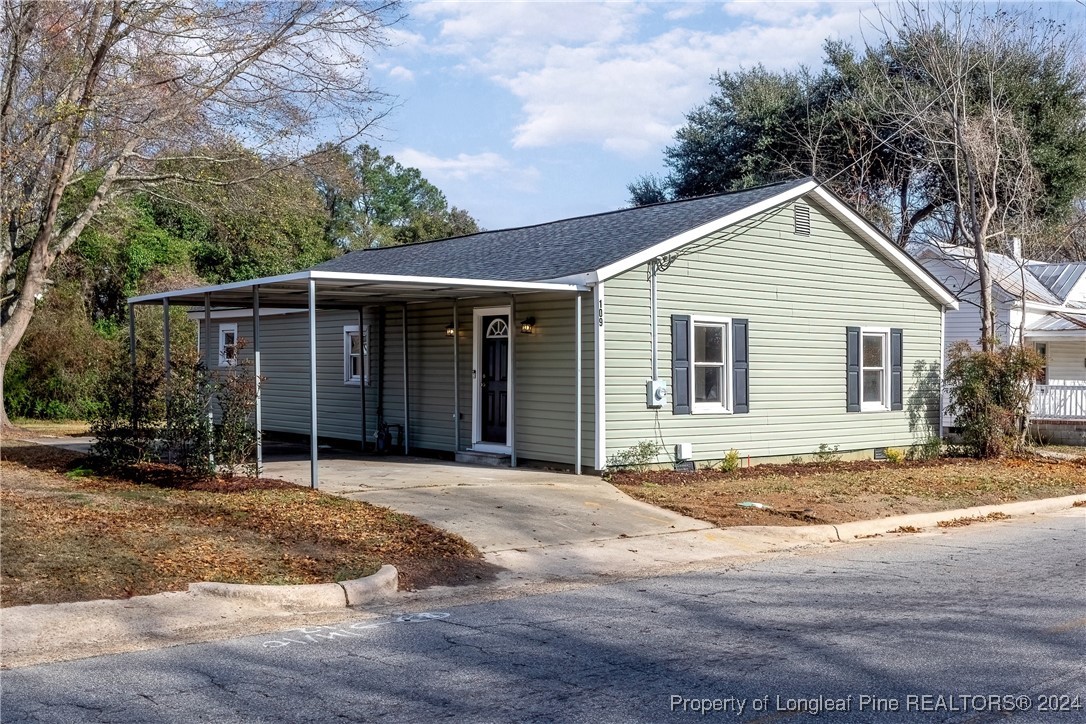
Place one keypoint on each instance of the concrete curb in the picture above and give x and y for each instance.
(308, 597)
(845, 532)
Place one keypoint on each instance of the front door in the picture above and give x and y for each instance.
(494, 379)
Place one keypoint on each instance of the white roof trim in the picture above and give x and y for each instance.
(669, 245)
(858, 224)
(349, 277)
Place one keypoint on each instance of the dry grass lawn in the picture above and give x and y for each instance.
(68, 534)
(839, 492)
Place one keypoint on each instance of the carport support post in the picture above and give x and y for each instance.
(134, 416)
(406, 396)
(456, 375)
(511, 381)
(363, 368)
(256, 381)
(166, 365)
(207, 363)
(207, 331)
(314, 478)
(577, 384)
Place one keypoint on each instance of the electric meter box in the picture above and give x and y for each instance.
(655, 393)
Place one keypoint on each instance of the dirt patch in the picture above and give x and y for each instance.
(70, 534)
(839, 492)
(24, 429)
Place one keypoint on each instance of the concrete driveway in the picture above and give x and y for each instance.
(497, 509)
(537, 525)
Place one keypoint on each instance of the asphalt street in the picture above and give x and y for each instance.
(984, 623)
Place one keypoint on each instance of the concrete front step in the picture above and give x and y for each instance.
(475, 457)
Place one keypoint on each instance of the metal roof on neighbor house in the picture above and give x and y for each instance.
(1059, 278)
(1013, 277)
(1059, 322)
(556, 249)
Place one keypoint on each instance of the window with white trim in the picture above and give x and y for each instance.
(874, 369)
(710, 355)
(228, 344)
(356, 355)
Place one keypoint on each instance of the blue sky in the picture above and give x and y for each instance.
(528, 112)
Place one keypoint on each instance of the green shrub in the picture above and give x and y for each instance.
(827, 454)
(235, 441)
(635, 457)
(930, 449)
(128, 414)
(990, 396)
(188, 438)
(731, 461)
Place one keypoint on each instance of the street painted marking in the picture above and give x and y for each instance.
(307, 635)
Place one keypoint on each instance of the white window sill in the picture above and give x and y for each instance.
(714, 410)
(874, 408)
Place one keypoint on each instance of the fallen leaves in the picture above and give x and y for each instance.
(840, 492)
(89, 536)
(970, 520)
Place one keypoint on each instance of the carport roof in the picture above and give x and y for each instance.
(348, 290)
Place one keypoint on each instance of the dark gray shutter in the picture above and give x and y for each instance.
(897, 372)
(740, 366)
(852, 363)
(680, 364)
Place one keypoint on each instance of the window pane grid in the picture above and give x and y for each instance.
(873, 369)
(709, 365)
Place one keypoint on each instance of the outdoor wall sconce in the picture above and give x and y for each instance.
(528, 326)
(450, 330)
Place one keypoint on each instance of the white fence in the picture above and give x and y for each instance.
(1059, 402)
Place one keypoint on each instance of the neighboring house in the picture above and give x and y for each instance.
(1039, 304)
(770, 321)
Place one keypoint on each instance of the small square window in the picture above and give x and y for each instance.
(355, 355)
(228, 345)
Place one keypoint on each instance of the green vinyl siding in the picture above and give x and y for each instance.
(544, 374)
(799, 294)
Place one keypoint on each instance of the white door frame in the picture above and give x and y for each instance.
(476, 392)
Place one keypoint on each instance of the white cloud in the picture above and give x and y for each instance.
(614, 75)
(401, 73)
(465, 166)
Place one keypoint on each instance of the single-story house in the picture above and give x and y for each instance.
(1040, 304)
(770, 321)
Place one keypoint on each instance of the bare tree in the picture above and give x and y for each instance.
(103, 98)
(941, 76)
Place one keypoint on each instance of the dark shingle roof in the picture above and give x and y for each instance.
(555, 249)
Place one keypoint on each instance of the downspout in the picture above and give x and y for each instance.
(942, 367)
(652, 321)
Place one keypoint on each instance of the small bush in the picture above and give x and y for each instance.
(236, 435)
(188, 437)
(731, 461)
(990, 396)
(895, 455)
(635, 457)
(128, 412)
(930, 449)
(827, 454)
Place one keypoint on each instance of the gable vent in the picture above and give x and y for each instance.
(801, 215)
